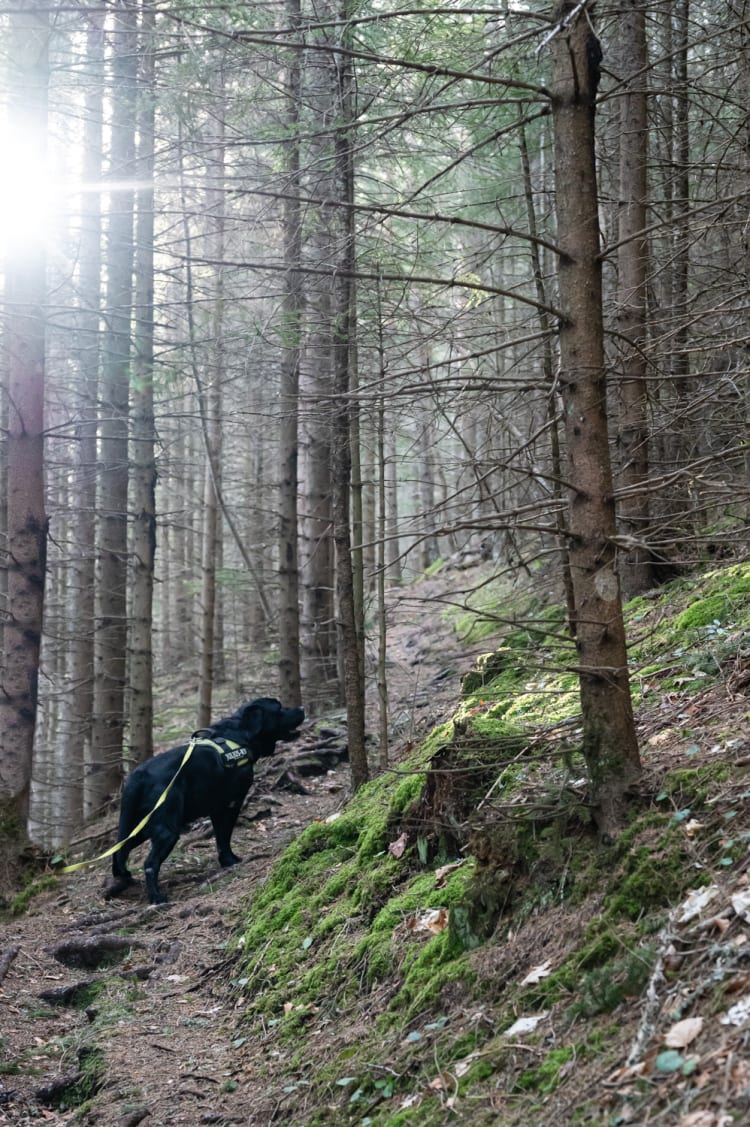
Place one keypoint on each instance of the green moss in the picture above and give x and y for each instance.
(604, 988)
(691, 786)
(20, 903)
(546, 1076)
(653, 877)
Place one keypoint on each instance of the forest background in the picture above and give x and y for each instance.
(299, 300)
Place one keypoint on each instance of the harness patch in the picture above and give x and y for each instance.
(232, 754)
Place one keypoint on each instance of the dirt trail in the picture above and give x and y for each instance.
(100, 1031)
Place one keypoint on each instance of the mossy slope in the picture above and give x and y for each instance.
(389, 951)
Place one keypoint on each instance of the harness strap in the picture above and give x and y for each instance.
(144, 821)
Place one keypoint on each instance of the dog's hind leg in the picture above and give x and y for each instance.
(163, 841)
(121, 873)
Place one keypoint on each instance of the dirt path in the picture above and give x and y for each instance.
(114, 1013)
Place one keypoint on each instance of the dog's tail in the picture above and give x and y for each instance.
(127, 823)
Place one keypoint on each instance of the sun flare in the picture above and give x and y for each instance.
(27, 193)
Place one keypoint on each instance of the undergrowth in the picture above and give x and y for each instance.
(400, 916)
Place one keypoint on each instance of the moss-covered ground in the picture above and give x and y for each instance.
(393, 948)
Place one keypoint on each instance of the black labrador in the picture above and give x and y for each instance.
(209, 785)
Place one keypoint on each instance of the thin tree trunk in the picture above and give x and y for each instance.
(682, 429)
(318, 622)
(26, 516)
(350, 626)
(212, 414)
(79, 701)
(393, 541)
(290, 685)
(104, 767)
(609, 741)
(141, 711)
(636, 573)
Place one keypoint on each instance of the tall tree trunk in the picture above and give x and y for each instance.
(141, 711)
(290, 686)
(26, 516)
(78, 705)
(211, 413)
(318, 623)
(609, 741)
(636, 573)
(104, 768)
(681, 446)
(351, 628)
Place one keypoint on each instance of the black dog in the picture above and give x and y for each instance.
(208, 785)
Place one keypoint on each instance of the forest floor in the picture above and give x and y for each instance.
(167, 1035)
(114, 1013)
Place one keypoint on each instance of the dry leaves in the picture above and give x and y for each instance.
(433, 920)
(683, 1032)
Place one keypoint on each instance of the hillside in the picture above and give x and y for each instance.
(452, 945)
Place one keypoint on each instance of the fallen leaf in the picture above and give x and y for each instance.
(698, 1119)
(738, 1013)
(536, 974)
(741, 904)
(433, 920)
(627, 1072)
(525, 1024)
(695, 902)
(409, 1101)
(397, 847)
(683, 1032)
(669, 1061)
(442, 874)
(463, 1066)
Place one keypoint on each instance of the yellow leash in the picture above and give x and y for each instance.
(144, 822)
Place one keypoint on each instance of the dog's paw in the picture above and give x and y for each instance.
(118, 886)
(228, 859)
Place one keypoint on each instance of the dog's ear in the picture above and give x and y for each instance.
(250, 719)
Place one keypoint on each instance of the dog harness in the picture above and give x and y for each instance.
(232, 754)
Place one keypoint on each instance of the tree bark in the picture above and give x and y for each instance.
(141, 706)
(318, 623)
(26, 515)
(290, 686)
(211, 412)
(344, 329)
(636, 573)
(104, 766)
(609, 740)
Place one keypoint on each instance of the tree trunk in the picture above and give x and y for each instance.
(609, 741)
(318, 623)
(211, 415)
(26, 516)
(290, 686)
(344, 329)
(141, 711)
(636, 573)
(104, 767)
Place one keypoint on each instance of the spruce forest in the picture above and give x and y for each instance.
(392, 362)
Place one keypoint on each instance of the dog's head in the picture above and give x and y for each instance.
(264, 721)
